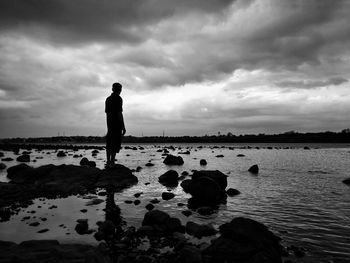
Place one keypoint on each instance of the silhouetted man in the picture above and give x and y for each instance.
(115, 123)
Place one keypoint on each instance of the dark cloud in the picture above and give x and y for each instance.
(82, 21)
(311, 84)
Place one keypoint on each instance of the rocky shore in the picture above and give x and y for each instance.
(161, 238)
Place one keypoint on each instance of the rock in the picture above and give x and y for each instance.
(306, 148)
(189, 254)
(203, 162)
(149, 164)
(205, 210)
(7, 159)
(167, 196)
(246, 241)
(200, 231)
(82, 227)
(155, 217)
(186, 184)
(61, 154)
(155, 201)
(34, 224)
(219, 156)
(95, 201)
(137, 202)
(149, 207)
(128, 201)
(1, 154)
(205, 190)
(2, 166)
(83, 210)
(346, 181)
(173, 160)
(5, 214)
(170, 178)
(84, 161)
(232, 192)
(43, 230)
(173, 224)
(240, 155)
(216, 175)
(254, 169)
(25, 158)
(186, 213)
(137, 195)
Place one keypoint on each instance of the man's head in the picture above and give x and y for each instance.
(117, 87)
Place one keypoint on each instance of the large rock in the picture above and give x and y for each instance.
(198, 230)
(244, 240)
(25, 158)
(205, 190)
(70, 178)
(170, 178)
(173, 160)
(162, 221)
(216, 175)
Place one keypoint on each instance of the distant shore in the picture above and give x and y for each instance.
(287, 137)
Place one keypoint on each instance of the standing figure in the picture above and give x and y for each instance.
(115, 123)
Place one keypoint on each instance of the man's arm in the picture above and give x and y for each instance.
(121, 121)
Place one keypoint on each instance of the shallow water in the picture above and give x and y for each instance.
(298, 194)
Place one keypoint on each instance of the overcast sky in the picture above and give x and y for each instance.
(187, 67)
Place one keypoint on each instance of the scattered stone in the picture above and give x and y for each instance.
(254, 169)
(167, 196)
(155, 201)
(2, 166)
(306, 148)
(203, 162)
(61, 154)
(187, 213)
(95, 201)
(43, 230)
(173, 160)
(25, 158)
(240, 155)
(137, 202)
(232, 192)
(82, 227)
(149, 207)
(43, 219)
(7, 159)
(149, 164)
(128, 201)
(138, 168)
(83, 210)
(34, 224)
(180, 204)
(219, 156)
(169, 178)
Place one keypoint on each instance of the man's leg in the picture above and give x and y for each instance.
(108, 148)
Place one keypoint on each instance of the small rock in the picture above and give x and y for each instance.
(167, 196)
(94, 202)
(25, 158)
(186, 213)
(149, 207)
(2, 166)
(155, 201)
(346, 181)
(254, 169)
(232, 192)
(61, 154)
(149, 164)
(43, 230)
(137, 202)
(240, 155)
(203, 162)
(34, 224)
(83, 210)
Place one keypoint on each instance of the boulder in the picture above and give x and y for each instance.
(216, 175)
(205, 190)
(169, 178)
(185, 184)
(162, 221)
(254, 169)
(25, 158)
(244, 240)
(189, 254)
(173, 160)
(82, 227)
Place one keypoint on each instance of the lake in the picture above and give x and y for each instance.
(298, 193)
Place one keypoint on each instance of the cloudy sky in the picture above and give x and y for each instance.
(189, 67)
